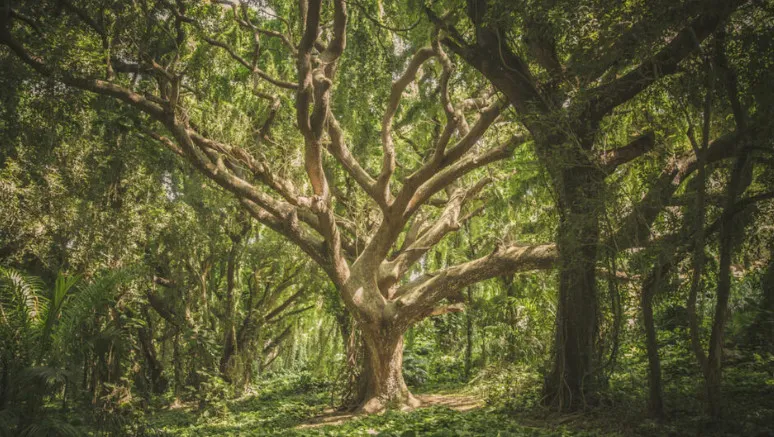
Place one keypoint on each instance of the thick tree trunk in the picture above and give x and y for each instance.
(347, 330)
(382, 378)
(571, 382)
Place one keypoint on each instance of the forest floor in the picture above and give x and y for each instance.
(457, 402)
(302, 406)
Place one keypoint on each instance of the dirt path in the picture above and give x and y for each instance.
(461, 403)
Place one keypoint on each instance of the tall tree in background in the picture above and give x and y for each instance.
(566, 83)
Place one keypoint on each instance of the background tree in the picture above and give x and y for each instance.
(569, 86)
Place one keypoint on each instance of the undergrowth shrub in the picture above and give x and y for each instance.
(514, 387)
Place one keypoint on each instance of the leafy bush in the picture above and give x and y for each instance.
(414, 369)
(515, 387)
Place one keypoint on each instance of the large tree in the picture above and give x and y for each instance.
(153, 56)
(568, 84)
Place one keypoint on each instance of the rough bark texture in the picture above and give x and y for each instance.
(571, 381)
(384, 386)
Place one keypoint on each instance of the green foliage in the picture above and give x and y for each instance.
(289, 400)
(512, 388)
(126, 274)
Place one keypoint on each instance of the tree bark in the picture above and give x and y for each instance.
(740, 179)
(570, 383)
(229, 332)
(4, 381)
(510, 293)
(382, 378)
(155, 369)
(763, 328)
(656, 397)
(468, 337)
(177, 364)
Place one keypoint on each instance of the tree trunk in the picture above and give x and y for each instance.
(229, 334)
(4, 381)
(154, 367)
(570, 383)
(656, 397)
(762, 330)
(741, 176)
(382, 378)
(177, 365)
(512, 316)
(468, 337)
(232, 267)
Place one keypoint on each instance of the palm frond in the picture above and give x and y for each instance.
(62, 286)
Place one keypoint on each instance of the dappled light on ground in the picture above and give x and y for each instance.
(460, 403)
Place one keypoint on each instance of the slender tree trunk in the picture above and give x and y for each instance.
(4, 381)
(656, 396)
(570, 382)
(229, 334)
(510, 293)
(155, 368)
(763, 328)
(740, 177)
(232, 267)
(484, 351)
(177, 364)
(468, 337)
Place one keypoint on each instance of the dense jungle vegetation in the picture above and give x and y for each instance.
(386, 217)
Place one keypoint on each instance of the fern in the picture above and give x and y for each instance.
(45, 379)
(50, 426)
(83, 303)
(21, 302)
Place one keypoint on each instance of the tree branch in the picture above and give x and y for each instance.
(419, 297)
(388, 147)
(608, 96)
(612, 159)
